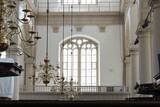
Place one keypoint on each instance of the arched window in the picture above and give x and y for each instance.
(80, 60)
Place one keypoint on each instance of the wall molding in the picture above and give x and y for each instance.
(81, 19)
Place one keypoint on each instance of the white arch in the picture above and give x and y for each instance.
(80, 35)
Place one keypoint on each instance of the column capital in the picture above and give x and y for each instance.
(141, 30)
(153, 2)
(143, 33)
(134, 50)
(127, 60)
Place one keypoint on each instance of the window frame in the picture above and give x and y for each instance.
(79, 76)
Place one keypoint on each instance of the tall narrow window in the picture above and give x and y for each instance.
(79, 59)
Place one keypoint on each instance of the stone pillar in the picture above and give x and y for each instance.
(134, 68)
(145, 57)
(128, 71)
(14, 53)
(29, 62)
(29, 74)
(144, 37)
(156, 34)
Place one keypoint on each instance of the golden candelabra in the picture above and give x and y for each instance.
(61, 86)
(46, 73)
(9, 27)
(68, 88)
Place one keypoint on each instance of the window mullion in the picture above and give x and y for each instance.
(79, 66)
(91, 67)
(86, 66)
(97, 62)
(67, 65)
(62, 60)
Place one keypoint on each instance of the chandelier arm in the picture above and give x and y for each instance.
(5, 30)
(32, 44)
(25, 22)
(14, 30)
(54, 77)
(41, 74)
(9, 28)
(22, 36)
(21, 20)
(8, 12)
(8, 34)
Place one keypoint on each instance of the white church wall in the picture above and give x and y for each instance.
(111, 65)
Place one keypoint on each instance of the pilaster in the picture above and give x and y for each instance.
(134, 54)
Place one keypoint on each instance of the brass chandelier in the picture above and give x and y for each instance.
(47, 69)
(61, 85)
(67, 88)
(9, 27)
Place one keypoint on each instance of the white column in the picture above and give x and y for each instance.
(128, 71)
(145, 69)
(30, 71)
(134, 68)
(29, 62)
(145, 57)
(14, 53)
(156, 35)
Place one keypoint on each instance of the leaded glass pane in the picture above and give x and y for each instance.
(83, 59)
(83, 66)
(89, 52)
(88, 72)
(93, 72)
(65, 58)
(83, 72)
(64, 51)
(94, 51)
(94, 58)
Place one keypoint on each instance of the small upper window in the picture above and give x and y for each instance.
(70, 1)
(88, 1)
(79, 1)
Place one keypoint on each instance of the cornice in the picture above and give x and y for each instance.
(83, 13)
(81, 18)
